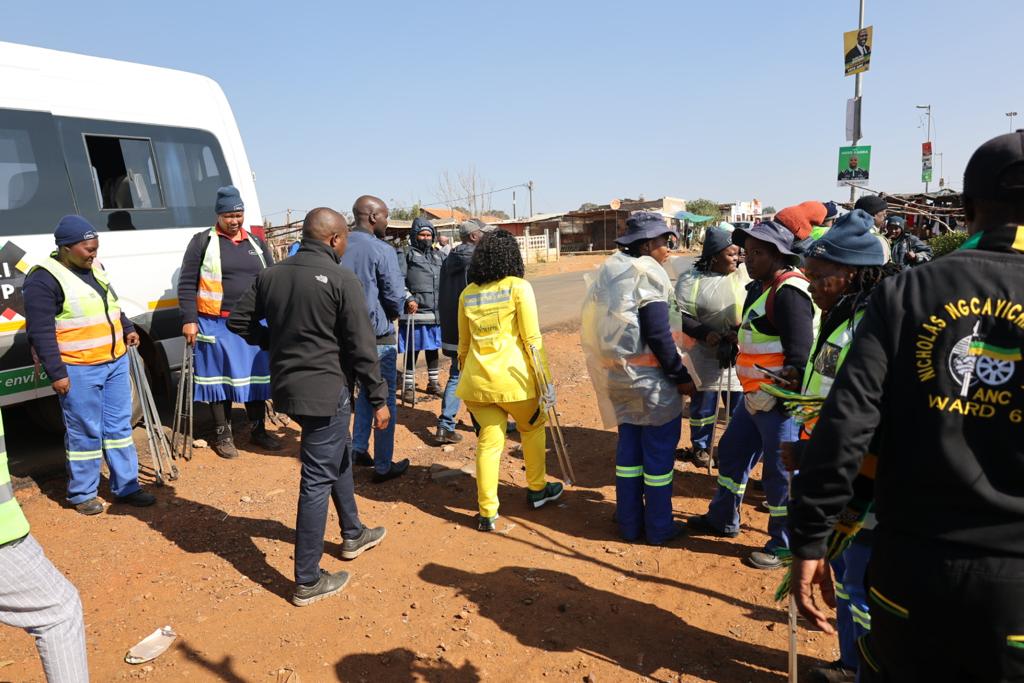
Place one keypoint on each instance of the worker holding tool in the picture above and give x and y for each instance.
(638, 374)
(420, 263)
(710, 298)
(80, 335)
(844, 267)
(34, 595)
(940, 348)
(779, 322)
(497, 326)
(219, 265)
(321, 342)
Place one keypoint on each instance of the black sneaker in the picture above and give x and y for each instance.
(139, 499)
(327, 585)
(701, 526)
(362, 458)
(486, 523)
(351, 548)
(435, 388)
(836, 672)
(446, 436)
(260, 438)
(223, 445)
(701, 458)
(684, 454)
(551, 491)
(93, 506)
(397, 469)
(408, 395)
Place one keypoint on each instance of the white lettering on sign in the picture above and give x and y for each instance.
(6, 290)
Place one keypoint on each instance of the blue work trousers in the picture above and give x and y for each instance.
(704, 414)
(98, 418)
(749, 437)
(383, 440)
(853, 619)
(326, 457)
(644, 461)
(450, 402)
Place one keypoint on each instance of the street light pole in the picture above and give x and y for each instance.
(529, 186)
(1010, 115)
(928, 109)
(856, 98)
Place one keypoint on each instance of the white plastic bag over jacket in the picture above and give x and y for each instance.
(715, 301)
(630, 384)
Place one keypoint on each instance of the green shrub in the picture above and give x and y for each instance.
(947, 242)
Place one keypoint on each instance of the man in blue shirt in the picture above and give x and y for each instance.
(375, 263)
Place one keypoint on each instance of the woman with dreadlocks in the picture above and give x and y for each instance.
(843, 267)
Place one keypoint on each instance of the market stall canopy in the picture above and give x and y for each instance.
(692, 217)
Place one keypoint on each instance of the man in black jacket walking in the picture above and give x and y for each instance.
(453, 280)
(939, 355)
(320, 341)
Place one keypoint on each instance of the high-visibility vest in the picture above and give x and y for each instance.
(13, 524)
(821, 370)
(758, 348)
(89, 326)
(211, 276)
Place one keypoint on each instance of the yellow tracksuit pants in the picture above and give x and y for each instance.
(492, 419)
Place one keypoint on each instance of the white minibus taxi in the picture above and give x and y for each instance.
(137, 150)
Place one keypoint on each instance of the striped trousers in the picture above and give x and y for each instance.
(644, 463)
(36, 597)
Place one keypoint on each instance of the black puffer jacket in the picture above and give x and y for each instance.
(422, 272)
(454, 274)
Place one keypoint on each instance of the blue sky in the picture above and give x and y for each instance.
(590, 100)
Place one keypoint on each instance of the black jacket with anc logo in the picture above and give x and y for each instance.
(936, 368)
(318, 331)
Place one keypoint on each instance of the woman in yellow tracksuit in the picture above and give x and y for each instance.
(497, 328)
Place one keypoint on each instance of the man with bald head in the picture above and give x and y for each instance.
(375, 264)
(320, 341)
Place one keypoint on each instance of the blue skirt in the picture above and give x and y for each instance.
(228, 368)
(424, 337)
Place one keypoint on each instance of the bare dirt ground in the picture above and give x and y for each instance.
(581, 262)
(553, 596)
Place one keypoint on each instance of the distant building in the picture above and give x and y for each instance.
(742, 211)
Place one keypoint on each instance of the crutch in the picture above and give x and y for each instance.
(410, 352)
(181, 425)
(554, 426)
(159, 447)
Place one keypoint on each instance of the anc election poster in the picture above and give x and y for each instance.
(854, 165)
(857, 48)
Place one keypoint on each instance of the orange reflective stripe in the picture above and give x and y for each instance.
(91, 345)
(209, 296)
(750, 377)
(642, 360)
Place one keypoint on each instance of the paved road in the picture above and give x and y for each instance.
(559, 297)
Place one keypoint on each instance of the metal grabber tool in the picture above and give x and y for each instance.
(159, 446)
(554, 426)
(181, 425)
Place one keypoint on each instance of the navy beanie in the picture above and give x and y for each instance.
(871, 203)
(419, 224)
(831, 210)
(229, 200)
(72, 230)
(850, 242)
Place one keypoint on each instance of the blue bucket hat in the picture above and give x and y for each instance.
(850, 242)
(715, 240)
(776, 234)
(645, 225)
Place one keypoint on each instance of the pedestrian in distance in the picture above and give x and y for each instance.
(81, 337)
(875, 206)
(444, 245)
(454, 278)
(779, 323)
(710, 298)
(320, 342)
(375, 264)
(219, 265)
(498, 329)
(907, 250)
(34, 595)
(935, 376)
(638, 374)
(420, 264)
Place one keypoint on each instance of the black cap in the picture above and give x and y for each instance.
(871, 203)
(996, 169)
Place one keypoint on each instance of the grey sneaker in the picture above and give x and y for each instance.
(327, 585)
(762, 560)
(352, 548)
(223, 445)
(93, 506)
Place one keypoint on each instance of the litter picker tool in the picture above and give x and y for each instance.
(181, 425)
(159, 446)
(554, 426)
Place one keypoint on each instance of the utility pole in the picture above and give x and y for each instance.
(529, 186)
(288, 218)
(513, 203)
(856, 96)
(1010, 115)
(928, 113)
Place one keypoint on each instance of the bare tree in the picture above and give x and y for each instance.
(466, 189)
